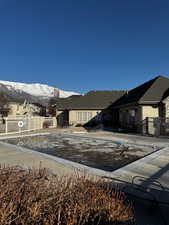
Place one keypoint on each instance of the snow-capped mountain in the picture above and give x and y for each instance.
(40, 90)
(32, 92)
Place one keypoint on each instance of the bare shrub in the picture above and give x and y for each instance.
(37, 198)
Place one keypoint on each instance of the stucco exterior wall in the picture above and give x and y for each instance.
(13, 109)
(152, 126)
(74, 117)
(167, 109)
(17, 109)
(149, 111)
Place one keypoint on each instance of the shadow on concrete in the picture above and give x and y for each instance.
(150, 197)
(107, 120)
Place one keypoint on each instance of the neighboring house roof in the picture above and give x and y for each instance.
(92, 100)
(151, 92)
(64, 103)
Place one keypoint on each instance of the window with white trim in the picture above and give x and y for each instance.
(83, 116)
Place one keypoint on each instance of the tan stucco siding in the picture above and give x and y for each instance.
(149, 111)
(17, 109)
(75, 118)
(167, 109)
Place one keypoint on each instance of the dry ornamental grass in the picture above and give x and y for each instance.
(33, 197)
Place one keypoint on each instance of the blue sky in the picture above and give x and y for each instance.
(84, 45)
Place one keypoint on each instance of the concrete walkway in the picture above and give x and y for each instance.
(15, 155)
(129, 138)
(149, 176)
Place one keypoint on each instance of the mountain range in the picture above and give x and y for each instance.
(41, 93)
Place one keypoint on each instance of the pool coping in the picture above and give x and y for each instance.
(71, 164)
(85, 137)
(64, 162)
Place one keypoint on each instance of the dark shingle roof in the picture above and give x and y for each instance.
(151, 92)
(64, 103)
(91, 100)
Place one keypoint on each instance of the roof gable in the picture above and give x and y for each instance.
(157, 91)
(151, 92)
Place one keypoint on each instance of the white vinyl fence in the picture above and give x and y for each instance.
(23, 123)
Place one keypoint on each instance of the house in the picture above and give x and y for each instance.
(149, 100)
(3, 106)
(144, 109)
(23, 108)
(78, 110)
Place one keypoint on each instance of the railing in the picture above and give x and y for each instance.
(23, 123)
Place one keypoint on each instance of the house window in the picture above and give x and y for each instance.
(83, 116)
(89, 116)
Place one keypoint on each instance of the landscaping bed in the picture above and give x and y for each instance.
(38, 198)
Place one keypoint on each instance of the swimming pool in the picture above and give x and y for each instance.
(93, 152)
